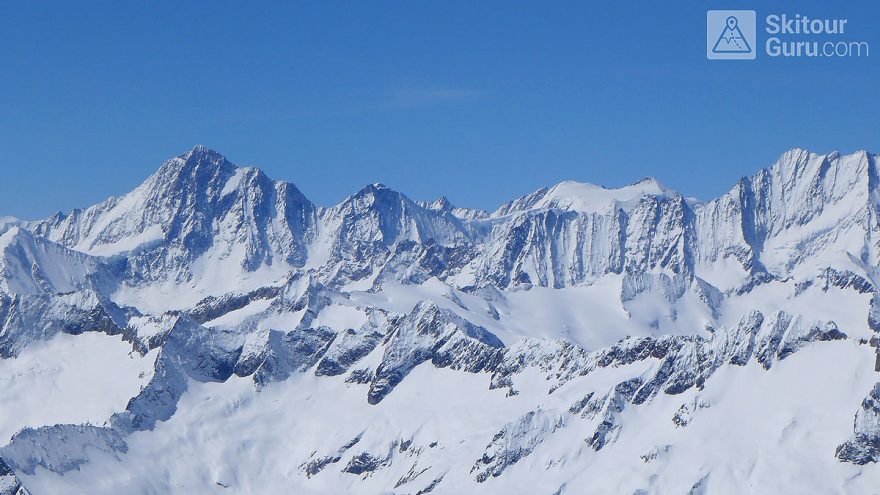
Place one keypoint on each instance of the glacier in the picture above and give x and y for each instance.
(214, 331)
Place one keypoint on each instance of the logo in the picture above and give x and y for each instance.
(730, 34)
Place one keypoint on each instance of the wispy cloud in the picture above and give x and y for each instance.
(421, 97)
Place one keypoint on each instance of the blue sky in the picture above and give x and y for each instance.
(478, 101)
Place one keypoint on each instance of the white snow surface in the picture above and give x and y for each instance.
(70, 379)
(588, 198)
(755, 432)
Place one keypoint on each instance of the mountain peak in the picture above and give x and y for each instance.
(650, 182)
(799, 156)
(200, 164)
(376, 189)
(585, 197)
(798, 165)
(442, 203)
(201, 149)
(203, 154)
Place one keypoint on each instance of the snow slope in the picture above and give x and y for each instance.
(70, 379)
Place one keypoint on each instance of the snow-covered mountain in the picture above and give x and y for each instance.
(214, 331)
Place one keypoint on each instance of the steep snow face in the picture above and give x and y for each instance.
(33, 265)
(804, 206)
(558, 248)
(577, 339)
(141, 218)
(817, 205)
(197, 205)
(378, 214)
(575, 233)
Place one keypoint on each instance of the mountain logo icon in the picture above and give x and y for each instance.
(731, 34)
(732, 39)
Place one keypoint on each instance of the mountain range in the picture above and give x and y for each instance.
(215, 331)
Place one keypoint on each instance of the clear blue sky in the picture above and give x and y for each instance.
(479, 101)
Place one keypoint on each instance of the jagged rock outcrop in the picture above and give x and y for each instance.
(864, 447)
(9, 482)
(430, 333)
(39, 447)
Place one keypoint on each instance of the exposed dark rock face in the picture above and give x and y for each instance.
(864, 447)
(9, 482)
(433, 334)
(31, 448)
